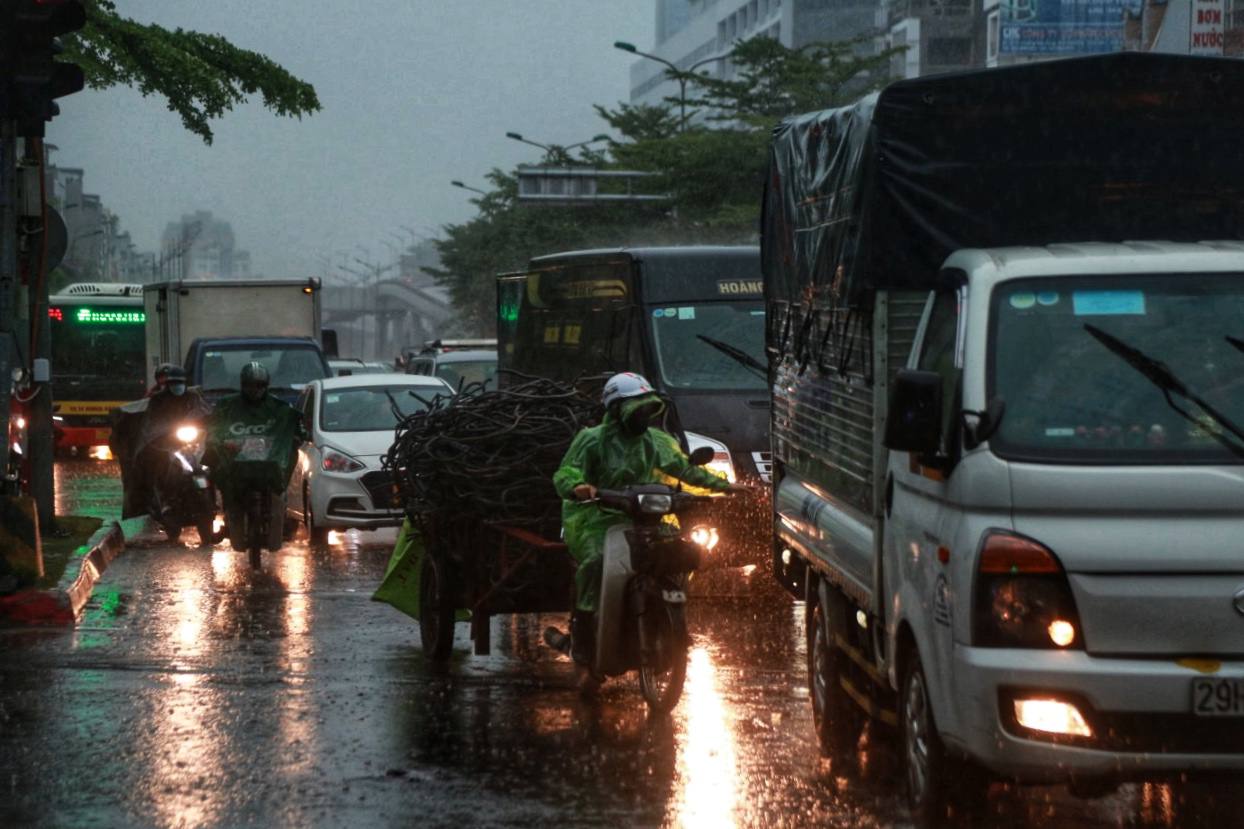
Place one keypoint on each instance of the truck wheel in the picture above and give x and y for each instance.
(937, 786)
(436, 609)
(835, 716)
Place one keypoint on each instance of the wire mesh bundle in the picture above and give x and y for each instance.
(489, 455)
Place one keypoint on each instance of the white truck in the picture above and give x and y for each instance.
(214, 327)
(1008, 461)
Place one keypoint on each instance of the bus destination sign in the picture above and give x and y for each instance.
(100, 316)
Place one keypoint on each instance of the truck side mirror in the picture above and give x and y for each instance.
(914, 422)
(701, 456)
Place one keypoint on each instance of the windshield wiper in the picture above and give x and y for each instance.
(1158, 373)
(739, 355)
(397, 410)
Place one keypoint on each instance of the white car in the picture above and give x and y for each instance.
(338, 482)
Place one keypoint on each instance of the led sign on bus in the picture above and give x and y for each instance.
(101, 316)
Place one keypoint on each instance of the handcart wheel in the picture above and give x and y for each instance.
(436, 609)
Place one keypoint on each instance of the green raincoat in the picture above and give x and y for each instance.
(252, 444)
(607, 458)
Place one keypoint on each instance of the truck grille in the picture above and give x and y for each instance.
(763, 462)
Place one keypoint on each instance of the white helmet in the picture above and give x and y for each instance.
(625, 385)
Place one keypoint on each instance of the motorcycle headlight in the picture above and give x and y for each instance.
(655, 504)
(705, 537)
(187, 434)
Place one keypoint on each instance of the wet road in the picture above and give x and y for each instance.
(197, 693)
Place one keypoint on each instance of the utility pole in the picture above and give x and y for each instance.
(40, 437)
(8, 278)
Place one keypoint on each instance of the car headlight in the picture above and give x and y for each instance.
(705, 537)
(655, 504)
(335, 461)
(721, 464)
(187, 434)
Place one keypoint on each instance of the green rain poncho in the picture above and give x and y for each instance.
(606, 457)
(252, 444)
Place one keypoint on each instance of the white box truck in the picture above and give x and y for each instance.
(1008, 442)
(213, 327)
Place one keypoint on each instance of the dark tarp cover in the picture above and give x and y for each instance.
(1117, 147)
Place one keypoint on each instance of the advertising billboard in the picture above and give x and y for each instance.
(1063, 27)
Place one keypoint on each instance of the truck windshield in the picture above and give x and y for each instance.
(687, 361)
(288, 366)
(1070, 397)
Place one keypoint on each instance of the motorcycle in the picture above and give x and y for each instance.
(641, 623)
(182, 494)
(255, 516)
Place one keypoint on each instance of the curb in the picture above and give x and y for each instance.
(61, 605)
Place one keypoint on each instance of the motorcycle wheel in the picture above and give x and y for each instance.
(254, 529)
(436, 609)
(172, 529)
(663, 655)
(207, 530)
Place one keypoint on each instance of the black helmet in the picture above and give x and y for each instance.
(254, 381)
(170, 372)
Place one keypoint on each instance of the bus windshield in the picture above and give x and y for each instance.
(687, 359)
(98, 352)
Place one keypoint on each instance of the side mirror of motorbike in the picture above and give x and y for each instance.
(701, 456)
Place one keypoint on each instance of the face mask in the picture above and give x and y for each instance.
(177, 389)
(253, 393)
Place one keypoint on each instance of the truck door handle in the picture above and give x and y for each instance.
(889, 493)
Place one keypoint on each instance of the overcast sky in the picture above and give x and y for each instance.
(414, 94)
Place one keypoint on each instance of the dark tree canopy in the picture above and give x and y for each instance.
(201, 76)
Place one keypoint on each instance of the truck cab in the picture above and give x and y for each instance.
(215, 364)
(1053, 569)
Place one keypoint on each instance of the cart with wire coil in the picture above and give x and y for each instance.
(474, 474)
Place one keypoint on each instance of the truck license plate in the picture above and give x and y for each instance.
(1218, 697)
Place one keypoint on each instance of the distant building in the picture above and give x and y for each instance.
(96, 248)
(689, 31)
(200, 246)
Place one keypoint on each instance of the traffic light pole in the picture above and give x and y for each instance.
(39, 436)
(8, 277)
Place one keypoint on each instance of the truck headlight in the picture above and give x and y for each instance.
(721, 464)
(1023, 598)
(705, 537)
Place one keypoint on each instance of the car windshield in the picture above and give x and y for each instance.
(288, 367)
(370, 409)
(684, 336)
(1071, 398)
(464, 373)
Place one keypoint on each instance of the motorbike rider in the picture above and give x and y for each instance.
(624, 450)
(142, 430)
(262, 414)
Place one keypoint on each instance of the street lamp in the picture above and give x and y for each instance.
(553, 151)
(457, 183)
(680, 75)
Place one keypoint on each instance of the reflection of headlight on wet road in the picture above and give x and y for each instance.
(187, 434)
(706, 537)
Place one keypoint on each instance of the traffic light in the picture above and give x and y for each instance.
(33, 79)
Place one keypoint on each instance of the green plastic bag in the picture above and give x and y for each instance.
(400, 587)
